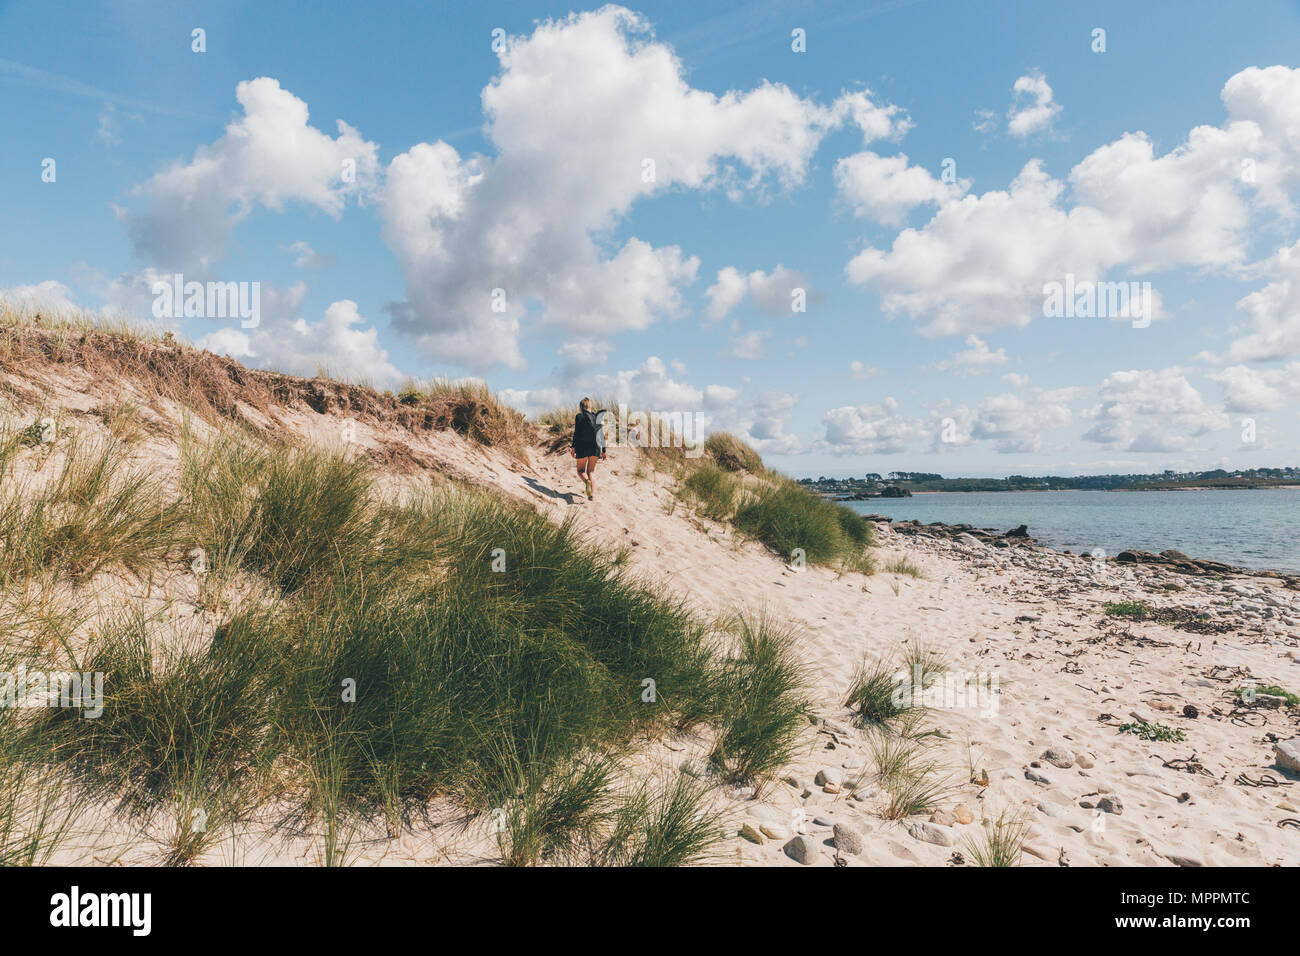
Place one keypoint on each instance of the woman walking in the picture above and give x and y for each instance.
(588, 443)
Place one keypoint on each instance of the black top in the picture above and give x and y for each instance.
(588, 434)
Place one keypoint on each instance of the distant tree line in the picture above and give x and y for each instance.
(872, 483)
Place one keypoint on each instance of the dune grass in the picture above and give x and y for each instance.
(882, 692)
(712, 490)
(792, 520)
(732, 454)
(468, 407)
(768, 710)
(38, 811)
(99, 512)
(448, 643)
(1003, 840)
(902, 566)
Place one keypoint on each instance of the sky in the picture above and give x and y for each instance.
(879, 235)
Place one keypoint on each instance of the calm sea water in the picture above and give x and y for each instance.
(1252, 528)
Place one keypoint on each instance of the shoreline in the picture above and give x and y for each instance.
(1019, 536)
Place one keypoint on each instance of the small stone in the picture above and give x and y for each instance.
(1036, 777)
(964, 814)
(774, 830)
(847, 839)
(1287, 753)
(750, 833)
(1111, 805)
(1059, 757)
(931, 833)
(1084, 761)
(1179, 859)
(828, 777)
(790, 780)
(1191, 712)
(945, 818)
(801, 849)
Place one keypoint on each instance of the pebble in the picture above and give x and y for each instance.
(1084, 761)
(1111, 805)
(848, 839)
(750, 833)
(801, 849)
(829, 780)
(1287, 753)
(1059, 757)
(823, 821)
(774, 830)
(964, 814)
(931, 833)
(945, 818)
(1036, 777)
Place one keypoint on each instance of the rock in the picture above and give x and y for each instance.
(774, 830)
(847, 839)
(964, 814)
(1287, 753)
(801, 849)
(750, 833)
(1191, 712)
(1111, 804)
(945, 818)
(931, 833)
(790, 780)
(823, 821)
(1084, 761)
(829, 780)
(1059, 757)
(1036, 777)
(1051, 810)
(1179, 859)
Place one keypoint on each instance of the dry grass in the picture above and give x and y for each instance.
(218, 389)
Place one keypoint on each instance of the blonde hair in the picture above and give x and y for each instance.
(585, 404)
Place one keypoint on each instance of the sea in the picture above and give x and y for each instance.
(1252, 528)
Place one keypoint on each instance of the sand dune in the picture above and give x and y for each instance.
(1026, 619)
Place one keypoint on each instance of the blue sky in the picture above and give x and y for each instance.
(1171, 158)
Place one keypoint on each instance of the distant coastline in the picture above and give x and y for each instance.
(904, 484)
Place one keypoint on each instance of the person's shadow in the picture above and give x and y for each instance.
(567, 497)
